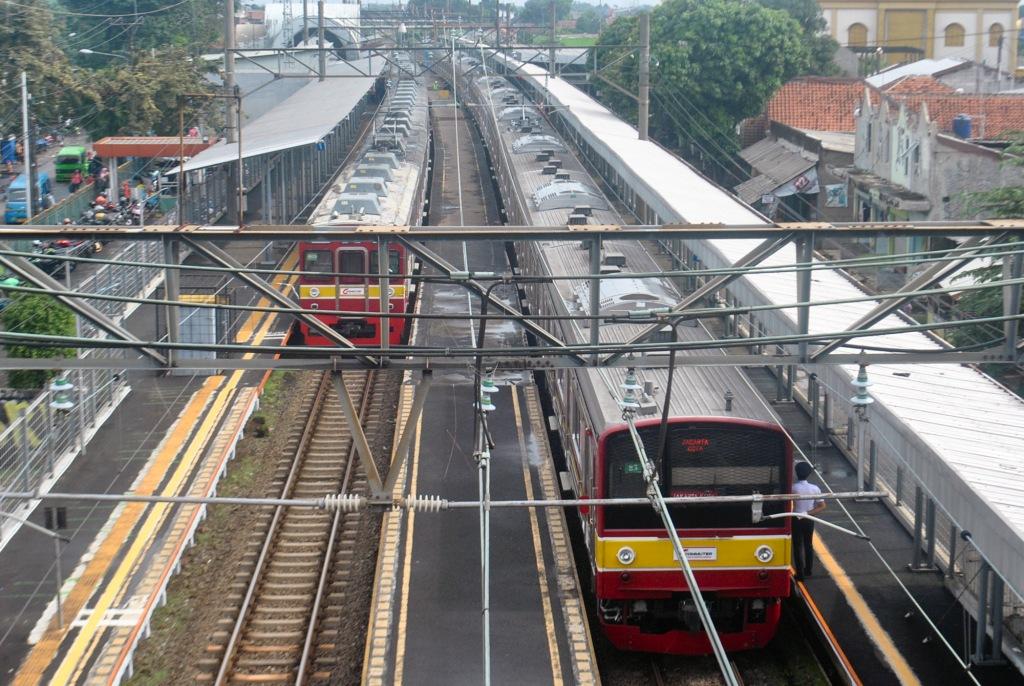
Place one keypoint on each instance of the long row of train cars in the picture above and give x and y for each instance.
(384, 184)
(643, 602)
(742, 568)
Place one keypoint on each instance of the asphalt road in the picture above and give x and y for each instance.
(46, 164)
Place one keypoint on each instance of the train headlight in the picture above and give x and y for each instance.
(626, 555)
(764, 554)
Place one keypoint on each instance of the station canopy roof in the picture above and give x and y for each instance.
(149, 146)
(302, 119)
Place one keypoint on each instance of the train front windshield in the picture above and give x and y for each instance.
(703, 460)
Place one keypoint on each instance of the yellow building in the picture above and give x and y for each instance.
(969, 29)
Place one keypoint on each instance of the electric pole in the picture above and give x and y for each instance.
(551, 51)
(229, 70)
(644, 102)
(30, 175)
(320, 38)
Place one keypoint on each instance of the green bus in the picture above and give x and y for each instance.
(69, 159)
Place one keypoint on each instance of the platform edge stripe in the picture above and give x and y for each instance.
(82, 646)
(866, 616)
(538, 549)
(46, 650)
(382, 604)
(584, 662)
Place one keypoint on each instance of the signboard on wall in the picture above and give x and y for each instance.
(835, 195)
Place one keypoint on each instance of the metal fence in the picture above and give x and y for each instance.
(36, 439)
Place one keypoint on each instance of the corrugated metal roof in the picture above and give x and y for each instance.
(778, 159)
(304, 118)
(952, 413)
(925, 67)
(752, 189)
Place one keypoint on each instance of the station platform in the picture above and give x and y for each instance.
(882, 633)
(172, 435)
(426, 623)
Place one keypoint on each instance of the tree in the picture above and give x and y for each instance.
(1005, 202)
(539, 11)
(589, 20)
(141, 98)
(133, 25)
(36, 314)
(26, 44)
(714, 63)
(821, 46)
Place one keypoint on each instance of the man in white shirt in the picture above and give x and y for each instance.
(803, 529)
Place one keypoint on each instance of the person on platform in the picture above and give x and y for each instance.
(803, 529)
(76, 181)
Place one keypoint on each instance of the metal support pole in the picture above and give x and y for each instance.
(805, 255)
(552, 65)
(1011, 302)
(790, 378)
(996, 618)
(79, 411)
(358, 435)
(814, 391)
(26, 449)
(51, 448)
(780, 384)
(929, 517)
(899, 484)
(982, 615)
(953, 536)
(826, 417)
(872, 465)
(915, 564)
(60, 580)
(231, 116)
(595, 295)
(322, 56)
(172, 256)
(850, 428)
(305, 22)
(26, 127)
(644, 101)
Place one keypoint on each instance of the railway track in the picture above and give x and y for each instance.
(290, 595)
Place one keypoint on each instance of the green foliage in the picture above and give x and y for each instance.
(822, 47)
(714, 63)
(193, 25)
(141, 98)
(589, 21)
(1006, 202)
(539, 11)
(26, 44)
(38, 314)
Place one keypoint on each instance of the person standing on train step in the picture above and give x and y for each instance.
(803, 529)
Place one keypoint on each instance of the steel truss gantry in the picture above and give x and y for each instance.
(990, 237)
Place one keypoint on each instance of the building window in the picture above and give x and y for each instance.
(995, 35)
(857, 36)
(954, 36)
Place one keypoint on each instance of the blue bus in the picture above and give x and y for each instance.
(15, 212)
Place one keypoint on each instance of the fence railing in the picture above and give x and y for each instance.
(36, 441)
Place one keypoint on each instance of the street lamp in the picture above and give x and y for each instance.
(87, 51)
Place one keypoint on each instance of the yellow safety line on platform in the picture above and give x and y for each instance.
(538, 550)
(45, 652)
(879, 636)
(403, 612)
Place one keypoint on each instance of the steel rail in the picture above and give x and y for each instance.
(307, 647)
(301, 449)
